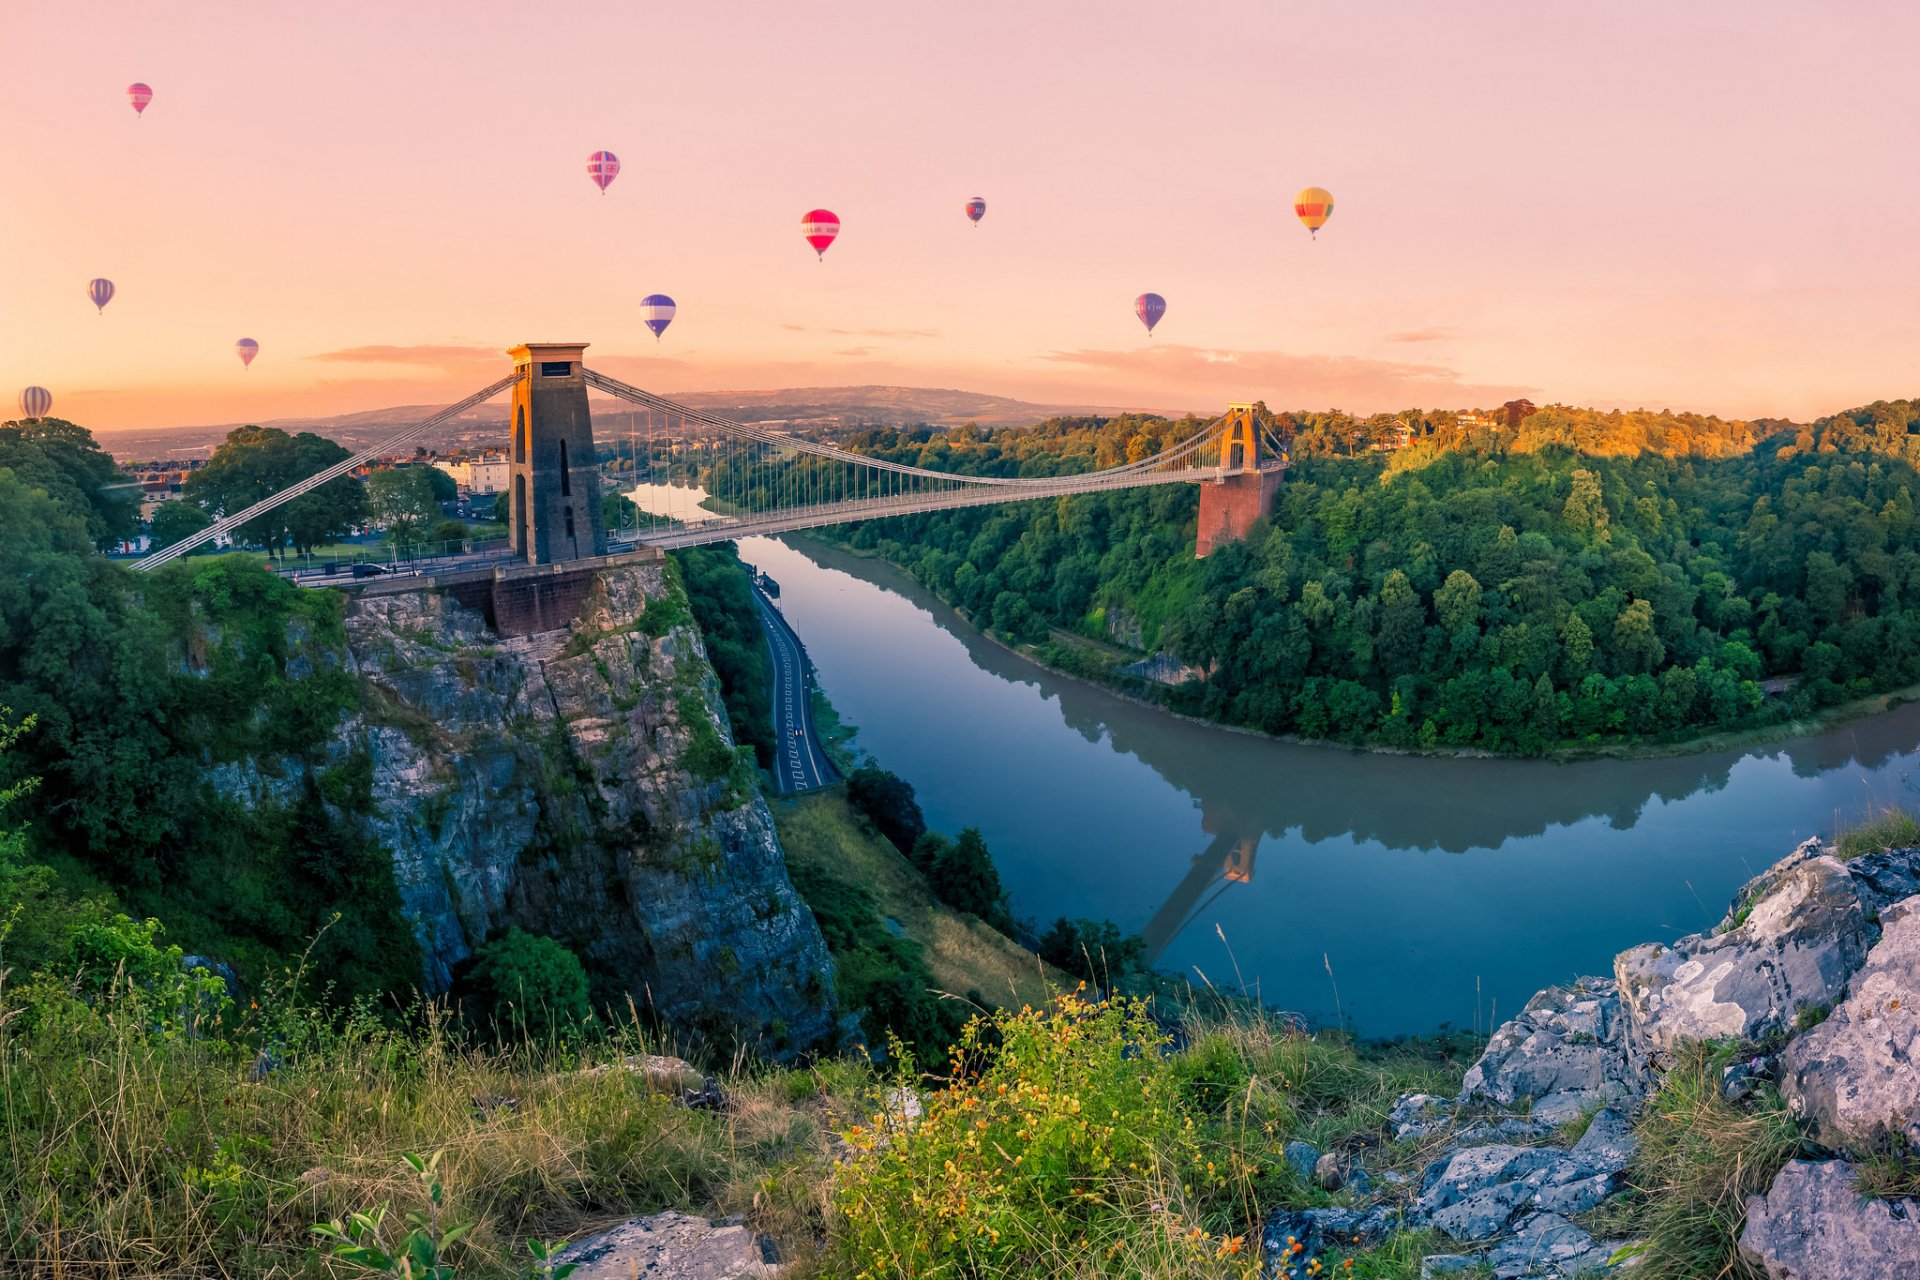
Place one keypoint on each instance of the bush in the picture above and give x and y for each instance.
(523, 986)
(1061, 1147)
(887, 799)
(1095, 950)
(448, 531)
(964, 877)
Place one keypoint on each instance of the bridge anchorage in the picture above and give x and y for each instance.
(712, 479)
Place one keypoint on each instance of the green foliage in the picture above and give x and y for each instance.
(1700, 1158)
(1885, 829)
(402, 501)
(62, 461)
(502, 508)
(1096, 951)
(882, 978)
(447, 530)
(521, 986)
(888, 802)
(174, 521)
(1061, 1142)
(257, 462)
(964, 877)
(721, 598)
(1502, 593)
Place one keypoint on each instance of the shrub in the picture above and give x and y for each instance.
(1095, 950)
(526, 985)
(964, 877)
(887, 799)
(1061, 1146)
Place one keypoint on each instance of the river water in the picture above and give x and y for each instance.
(1266, 864)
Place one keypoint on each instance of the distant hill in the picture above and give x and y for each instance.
(806, 408)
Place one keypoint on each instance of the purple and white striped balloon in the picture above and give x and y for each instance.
(100, 293)
(35, 402)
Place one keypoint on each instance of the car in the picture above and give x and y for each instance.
(369, 570)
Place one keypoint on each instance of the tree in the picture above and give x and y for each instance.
(888, 800)
(965, 878)
(61, 459)
(174, 521)
(502, 507)
(400, 499)
(526, 986)
(1402, 620)
(1458, 601)
(258, 462)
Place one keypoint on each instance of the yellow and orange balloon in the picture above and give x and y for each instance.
(1314, 205)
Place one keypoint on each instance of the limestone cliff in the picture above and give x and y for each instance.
(580, 784)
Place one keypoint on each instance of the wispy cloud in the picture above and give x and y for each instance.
(1284, 378)
(438, 357)
(886, 333)
(798, 328)
(853, 351)
(1435, 333)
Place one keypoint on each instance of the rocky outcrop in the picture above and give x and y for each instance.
(1563, 1054)
(1855, 1078)
(579, 785)
(672, 1246)
(1813, 1224)
(1796, 933)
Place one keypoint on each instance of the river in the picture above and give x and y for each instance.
(1436, 890)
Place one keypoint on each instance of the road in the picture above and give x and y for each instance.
(800, 762)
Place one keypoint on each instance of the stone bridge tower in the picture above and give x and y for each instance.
(553, 476)
(1244, 489)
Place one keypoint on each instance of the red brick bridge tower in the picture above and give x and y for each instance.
(1243, 491)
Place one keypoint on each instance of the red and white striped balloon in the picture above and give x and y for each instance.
(820, 226)
(138, 96)
(603, 167)
(35, 402)
(246, 349)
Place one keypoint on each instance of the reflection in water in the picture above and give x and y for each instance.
(680, 502)
(1412, 878)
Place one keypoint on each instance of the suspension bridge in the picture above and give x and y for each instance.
(714, 479)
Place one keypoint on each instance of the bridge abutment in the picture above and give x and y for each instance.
(1244, 492)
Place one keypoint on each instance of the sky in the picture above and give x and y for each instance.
(1703, 205)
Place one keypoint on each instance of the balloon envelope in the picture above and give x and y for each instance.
(603, 167)
(657, 309)
(247, 349)
(1314, 205)
(100, 292)
(35, 402)
(139, 96)
(976, 208)
(820, 226)
(1149, 307)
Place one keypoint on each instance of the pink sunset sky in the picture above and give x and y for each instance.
(1699, 205)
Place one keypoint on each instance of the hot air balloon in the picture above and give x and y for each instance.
(100, 292)
(1315, 206)
(247, 349)
(35, 402)
(1149, 307)
(820, 227)
(976, 209)
(603, 167)
(657, 309)
(138, 95)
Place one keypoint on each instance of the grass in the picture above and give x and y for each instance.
(1700, 1157)
(133, 1148)
(821, 833)
(1885, 828)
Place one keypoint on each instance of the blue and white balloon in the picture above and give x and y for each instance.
(657, 309)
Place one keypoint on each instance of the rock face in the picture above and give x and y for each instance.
(1813, 1224)
(1479, 1193)
(1855, 1078)
(1795, 935)
(671, 1246)
(1884, 878)
(1563, 1052)
(578, 785)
